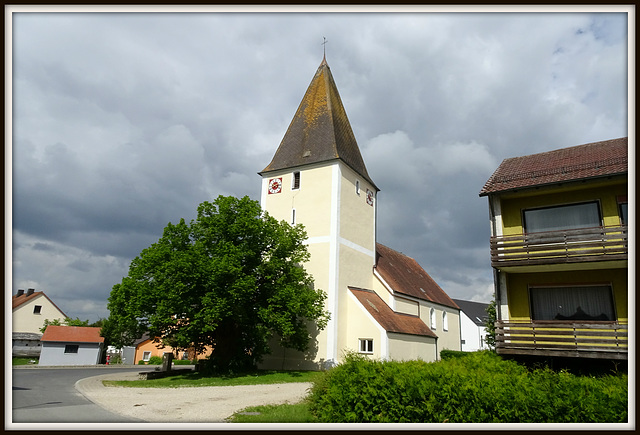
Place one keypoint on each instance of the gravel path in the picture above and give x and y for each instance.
(192, 404)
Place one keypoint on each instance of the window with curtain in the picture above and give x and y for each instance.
(445, 321)
(572, 303)
(563, 217)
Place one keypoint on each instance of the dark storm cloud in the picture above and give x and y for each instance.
(124, 122)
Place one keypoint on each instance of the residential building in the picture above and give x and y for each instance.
(473, 317)
(71, 345)
(559, 250)
(145, 347)
(29, 311)
(318, 178)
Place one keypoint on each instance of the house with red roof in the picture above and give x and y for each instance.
(71, 345)
(381, 303)
(29, 311)
(559, 250)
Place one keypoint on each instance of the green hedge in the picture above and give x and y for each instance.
(479, 388)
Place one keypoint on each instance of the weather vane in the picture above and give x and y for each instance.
(324, 46)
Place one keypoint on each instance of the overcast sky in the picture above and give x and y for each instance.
(125, 122)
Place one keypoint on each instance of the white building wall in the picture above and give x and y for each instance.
(473, 336)
(52, 354)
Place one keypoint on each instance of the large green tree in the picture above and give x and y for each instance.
(231, 279)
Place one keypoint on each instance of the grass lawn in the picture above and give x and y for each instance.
(297, 413)
(194, 379)
(19, 361)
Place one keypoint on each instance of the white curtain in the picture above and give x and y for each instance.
(572, 303)
(562, 218)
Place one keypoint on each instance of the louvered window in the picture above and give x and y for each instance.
(295, 184)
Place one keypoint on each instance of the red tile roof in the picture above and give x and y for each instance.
(16, 300)
(72, 334)
(389, 319)
(592, 160)
(406, 276)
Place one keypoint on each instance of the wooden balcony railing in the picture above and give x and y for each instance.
(566, 246)
(608, 340)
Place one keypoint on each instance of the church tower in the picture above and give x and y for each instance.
(318, 178)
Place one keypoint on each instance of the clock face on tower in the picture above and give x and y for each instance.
(369, 197)
(275, 185)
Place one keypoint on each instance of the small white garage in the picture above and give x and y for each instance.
(71, 345)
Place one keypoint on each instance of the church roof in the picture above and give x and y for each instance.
(320, 130)
(390, 320)
(592, 160)
(406, 276)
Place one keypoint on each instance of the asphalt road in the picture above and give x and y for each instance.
(41, 395)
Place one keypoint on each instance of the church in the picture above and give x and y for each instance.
(381, 302)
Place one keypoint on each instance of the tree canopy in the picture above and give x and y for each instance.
(231, 279)
(68, 321)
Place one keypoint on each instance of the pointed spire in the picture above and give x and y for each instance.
(320, 130)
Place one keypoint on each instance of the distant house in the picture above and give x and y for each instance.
(144, 348)
(71, 345)
(29, 311)
(559, 249)
(472, 320)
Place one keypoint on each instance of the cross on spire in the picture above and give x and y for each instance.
(324, 47)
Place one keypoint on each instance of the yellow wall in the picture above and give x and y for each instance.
(518, 285)
(411, 347)
(407, 306)
(513, 204)
(24, 319)
(449, 339)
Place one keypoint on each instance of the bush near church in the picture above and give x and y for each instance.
(478, 388)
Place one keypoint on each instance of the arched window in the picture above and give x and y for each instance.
(445, 321)
(432, 317)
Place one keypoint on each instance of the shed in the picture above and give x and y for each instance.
(71, 345)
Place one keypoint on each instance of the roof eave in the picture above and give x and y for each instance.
(554, 183)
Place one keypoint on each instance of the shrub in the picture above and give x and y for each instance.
(155, 360)
(141, 362)
(479, 388)
(446, 354)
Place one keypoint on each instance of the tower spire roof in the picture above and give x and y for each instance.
(320, 130)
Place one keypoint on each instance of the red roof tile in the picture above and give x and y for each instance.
(406, 276)
(72, 334)
(387, 318)
(592, 160)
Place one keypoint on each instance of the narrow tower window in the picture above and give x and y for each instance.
(432, 317)
(295, 183)
(357, 187)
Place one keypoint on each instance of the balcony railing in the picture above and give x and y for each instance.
(566, 246)
(607, 340)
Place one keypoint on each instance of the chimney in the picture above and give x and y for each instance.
(20, 292)
(30, 291)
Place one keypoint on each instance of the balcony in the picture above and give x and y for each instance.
(565, 246)
(605, 340)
